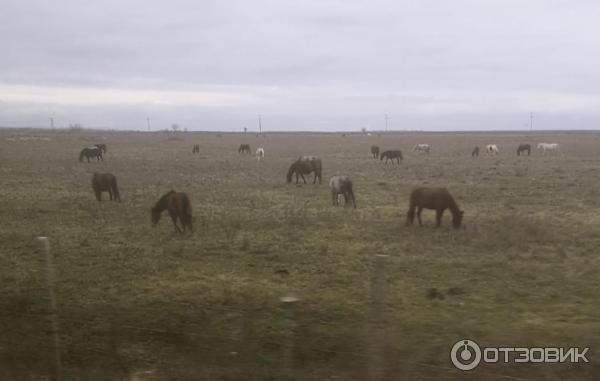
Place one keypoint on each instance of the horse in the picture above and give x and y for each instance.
(492, 149)
(375, 152)
(196, 149)
(260, 153)
(551, 147)
(523, 148)
(91, 152)
(105, 182)
(391, 155)
(304, 166)
(101, 146)
(475, 152)
(179, 207)
(341, 185)
(423, 148)
(244, 148)
(438, 199)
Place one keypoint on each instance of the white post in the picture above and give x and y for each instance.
(52, 313)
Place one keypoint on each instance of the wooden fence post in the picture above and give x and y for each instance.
(289, 304)
(49, 271)
(376, 318)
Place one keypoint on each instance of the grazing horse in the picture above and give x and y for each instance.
(260, 153)
(91, 152)
(101, 146)
(304, 166)
(423, 148)
(341, 185)
(492, 149)
(105, 182)
(391, 155)
(475, 152)
(196, 149)
(244, 148)
(438, 199)
(523, 148)
(548, 147)
(179, 207)
(375, 152)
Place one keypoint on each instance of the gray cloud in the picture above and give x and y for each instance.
(329, 63)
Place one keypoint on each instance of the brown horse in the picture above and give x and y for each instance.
(475, 152)
(179, 207)
(91, 152)
(522, 148)
(438, 199)
(304, 166)
(105, 182)
(375, 152)
(391, 155)
(244, 148)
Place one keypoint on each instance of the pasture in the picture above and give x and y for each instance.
(144, 301)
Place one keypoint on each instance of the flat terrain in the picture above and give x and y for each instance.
(137, 302)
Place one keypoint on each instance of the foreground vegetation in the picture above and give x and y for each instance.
(143, 302)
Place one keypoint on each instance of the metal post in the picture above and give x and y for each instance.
(52, 313)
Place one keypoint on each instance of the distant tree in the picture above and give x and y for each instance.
(363, 130)
(75, 127)
(175, 127)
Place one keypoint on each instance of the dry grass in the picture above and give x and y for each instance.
(523, 271)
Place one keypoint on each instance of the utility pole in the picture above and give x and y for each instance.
(52, 123)
(148, 122)
(530, 121)
(386, 122)
(259, 124)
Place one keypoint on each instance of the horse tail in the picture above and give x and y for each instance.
(318, 169)
(290, 173)
(351, 193)
(186, 212)
(115, 189)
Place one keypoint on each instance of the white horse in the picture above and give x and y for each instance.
(424, 148)
(492, 149)
(548, 147)
(260, 153)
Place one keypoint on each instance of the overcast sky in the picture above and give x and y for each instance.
(303, 65)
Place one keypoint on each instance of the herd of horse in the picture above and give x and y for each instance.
(179, 207)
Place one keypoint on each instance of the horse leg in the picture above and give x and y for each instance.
(438, 217)
(419, 210)
(410, 216)
(174, 219)
(98, 195)
(110, 194)
(333, 197)
(303, 179)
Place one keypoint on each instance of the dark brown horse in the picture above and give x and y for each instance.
(102, 147)
(475, 152)
(523, 148)
(244, 148)
(196, 149)
(438, 199)
(91, 152)
(304, 166)
(105, 182)
(391, 155)
(179, 207)
(375, 152)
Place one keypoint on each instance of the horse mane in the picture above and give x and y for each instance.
(163, 200)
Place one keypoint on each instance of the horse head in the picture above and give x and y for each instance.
(457, 219)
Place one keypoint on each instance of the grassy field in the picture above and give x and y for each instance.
(137, 302)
